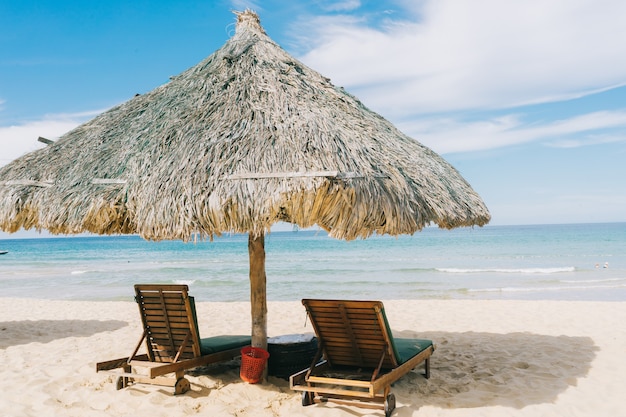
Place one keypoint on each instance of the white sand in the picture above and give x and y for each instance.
(493, 358)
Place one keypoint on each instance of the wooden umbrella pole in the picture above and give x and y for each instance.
(258, 297)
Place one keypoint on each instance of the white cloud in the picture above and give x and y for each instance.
(447, 135)
(447, 56)
(480, 54)
(17, 140)
(590, 140)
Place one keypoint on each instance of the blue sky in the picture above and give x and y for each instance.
(527, 99)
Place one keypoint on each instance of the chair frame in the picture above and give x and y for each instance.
(343, 371)
(171, 338)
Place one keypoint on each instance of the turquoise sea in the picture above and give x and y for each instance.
(555, 262)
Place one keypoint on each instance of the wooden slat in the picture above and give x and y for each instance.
(171, 305)
(175, 321)
(165, 341)
(298, 174)
(364, 336)
(170, 300)
(29, 183)
(176, 318)
(179, 332)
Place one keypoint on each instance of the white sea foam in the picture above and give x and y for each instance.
(184, 281)
(508, 270)
(592, 281)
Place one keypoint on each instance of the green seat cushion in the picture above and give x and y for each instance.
(407, 348)
(216, 344)
(220, 343)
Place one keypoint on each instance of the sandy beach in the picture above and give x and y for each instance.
(493, 358)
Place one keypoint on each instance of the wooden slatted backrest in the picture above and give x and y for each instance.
(352, 333)
(169, 319)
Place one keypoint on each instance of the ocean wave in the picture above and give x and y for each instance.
(507, 270)
(591, 281)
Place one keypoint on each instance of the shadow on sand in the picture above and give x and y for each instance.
(43, 331)
(485, 369)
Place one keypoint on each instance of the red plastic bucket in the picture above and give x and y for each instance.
(253, 361)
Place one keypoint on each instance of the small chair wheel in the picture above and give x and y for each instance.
(307, 398)
(390, 404)
(182, 386)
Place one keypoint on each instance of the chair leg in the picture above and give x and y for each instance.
(124, 381)
(427, 366)
(307, 398)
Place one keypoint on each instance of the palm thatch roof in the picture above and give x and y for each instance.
(247, 138)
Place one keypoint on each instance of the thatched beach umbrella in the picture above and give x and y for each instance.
(247, 138)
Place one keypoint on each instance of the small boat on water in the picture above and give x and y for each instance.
(3, 252)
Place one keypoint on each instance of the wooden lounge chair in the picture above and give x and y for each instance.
(358, 359)
(173, 342)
